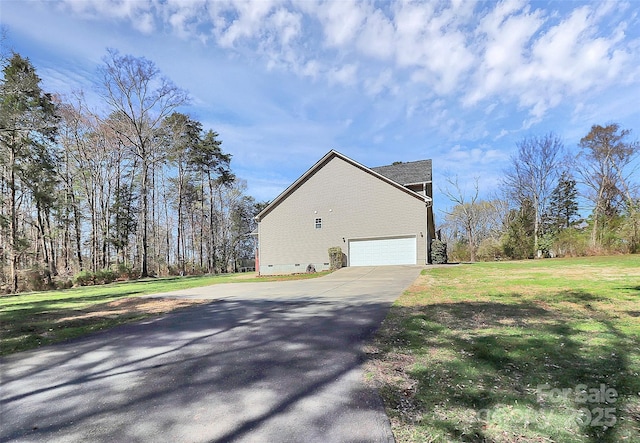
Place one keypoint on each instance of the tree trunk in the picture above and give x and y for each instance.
(13, 222)
(145, 213)
(201, 245)
(53, 266)
(472, 244)
(94, 234)
(78, 229)
(180, 235)
(536, 227)
(596, 218)
(154, 224)
(43, 239)
(212, 230)
(167, 232)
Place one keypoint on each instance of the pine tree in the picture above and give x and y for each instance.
(28, 125)
(563, 206)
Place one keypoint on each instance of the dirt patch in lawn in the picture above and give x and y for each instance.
(132, 306)
(36, 329)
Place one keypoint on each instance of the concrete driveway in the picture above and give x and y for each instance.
(263, 362)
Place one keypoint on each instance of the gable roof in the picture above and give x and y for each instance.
(407, 173)
(323, 161)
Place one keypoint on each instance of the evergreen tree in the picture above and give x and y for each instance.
(518, 239)
(212, 165)
(181, 136)
(123, 220)
(28, 125)
(563, 206)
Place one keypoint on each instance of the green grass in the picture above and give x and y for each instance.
(35, 319)
(473, 353)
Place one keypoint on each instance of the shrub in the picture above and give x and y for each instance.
(335, 258)
(630, 231)
(571, 242)
(84, 278)
(459, 252)
(37, 279)
(517, 246)
(490, 249)
(104, 276)
(126, 272)
(174, 270)
(65, 283)
(438, 252)
(193, 268)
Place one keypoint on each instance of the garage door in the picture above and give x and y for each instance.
(379, 252)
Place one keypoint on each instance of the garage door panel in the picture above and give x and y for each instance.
(384, 251)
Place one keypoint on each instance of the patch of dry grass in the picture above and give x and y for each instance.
(126, 306)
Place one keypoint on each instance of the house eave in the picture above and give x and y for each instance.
(417, 183)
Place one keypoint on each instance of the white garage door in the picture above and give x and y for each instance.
(386, 251)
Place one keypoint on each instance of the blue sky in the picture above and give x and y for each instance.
(283, 82)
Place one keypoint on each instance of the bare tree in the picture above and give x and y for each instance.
(135, 88)
(532, 175)
(72, 129)
(465, 212)
(605, 166)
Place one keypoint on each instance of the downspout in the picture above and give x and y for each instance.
(257, 246)
(428, 238)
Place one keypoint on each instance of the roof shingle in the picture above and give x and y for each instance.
(407, 173)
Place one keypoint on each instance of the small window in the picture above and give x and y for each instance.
(318, 223)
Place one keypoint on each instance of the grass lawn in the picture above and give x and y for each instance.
(531, 351)
(31, 320)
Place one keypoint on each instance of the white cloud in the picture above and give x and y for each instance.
(145, 23)
(140, 13)
(571, 53)
(502, 133)
(376, 85)
(286, 25)
(311, 69)
(377, 37)
(345, 75)
(465, 50)
(504, 34)
(541, 59)
(184, 17)
(341, 21)
(462, 155)
(431, 41)
(247, 18)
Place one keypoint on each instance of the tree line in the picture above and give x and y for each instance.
(536, 211)
(135, 190)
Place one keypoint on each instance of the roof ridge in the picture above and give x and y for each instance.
(403, 163)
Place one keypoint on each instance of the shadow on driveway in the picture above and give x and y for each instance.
(232, 370)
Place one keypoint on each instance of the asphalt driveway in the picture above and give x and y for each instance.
(263, 362)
